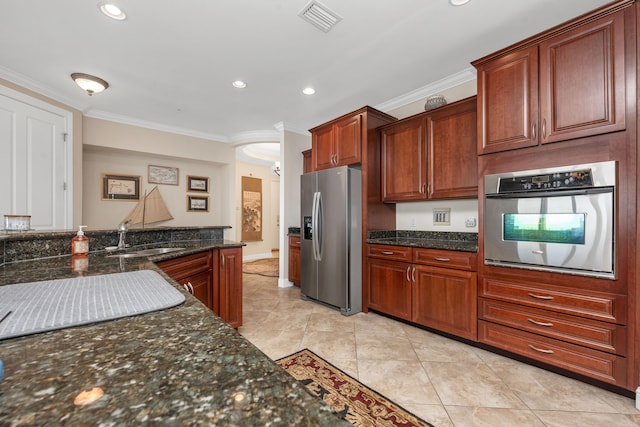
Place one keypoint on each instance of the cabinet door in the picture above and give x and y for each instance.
(390, 287)
(582, 81)
(508, 102)
(201, 286)
(307, 162)
(230, 286)
(452, 140)
(294, 260)
(446, 300)
(348, 141)
(322, 151)
(404, 161)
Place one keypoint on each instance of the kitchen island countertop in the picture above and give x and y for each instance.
(177, 366)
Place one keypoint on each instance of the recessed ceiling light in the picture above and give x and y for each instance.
(458, 2)
(239, 84)
(112, 11)
(308, 91)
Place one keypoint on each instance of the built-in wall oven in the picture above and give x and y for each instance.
(557, 219)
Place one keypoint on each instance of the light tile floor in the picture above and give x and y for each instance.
(443, 381)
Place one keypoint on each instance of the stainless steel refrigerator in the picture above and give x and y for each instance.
(331, 244)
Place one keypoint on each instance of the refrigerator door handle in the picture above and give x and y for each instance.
(315, 229)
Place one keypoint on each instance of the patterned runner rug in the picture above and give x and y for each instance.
(263, 267)
(349, 399)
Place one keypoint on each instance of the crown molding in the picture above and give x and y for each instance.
(461, 77)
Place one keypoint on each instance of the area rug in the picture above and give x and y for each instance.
(349, 399)
(268, 267)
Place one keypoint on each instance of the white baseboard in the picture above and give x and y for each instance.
(256, 256)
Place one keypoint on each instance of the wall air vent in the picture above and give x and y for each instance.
(320, 16)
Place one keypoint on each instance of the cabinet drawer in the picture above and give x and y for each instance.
(188, 265)
(585, 361)
(591, 333)
(294, 241)
(445, 259)
(395, 253)
(599, 306)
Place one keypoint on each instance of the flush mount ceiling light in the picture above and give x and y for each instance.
(308, 91)
(112, 11)
(91, 84)
(239, 84)
(458, 2)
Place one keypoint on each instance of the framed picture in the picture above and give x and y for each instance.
(251, 209)
(120, 187)
(197, 204)
(163, 175)
(198, 183)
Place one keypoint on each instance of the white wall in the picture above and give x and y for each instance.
(291, 148)
(419, 215)
(270, 213)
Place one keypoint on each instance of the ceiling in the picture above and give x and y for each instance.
(170, 64)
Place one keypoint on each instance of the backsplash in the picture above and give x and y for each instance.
(16, 246)
(419, 215)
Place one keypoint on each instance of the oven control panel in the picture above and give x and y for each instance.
(551, 181)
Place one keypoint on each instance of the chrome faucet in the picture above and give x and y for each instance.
(122, 230)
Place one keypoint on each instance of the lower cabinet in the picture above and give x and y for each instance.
(214, 277)
(433, 288)
(230, 286)
(294, 260)
(194, 273)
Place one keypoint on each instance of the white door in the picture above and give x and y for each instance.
(35, 166)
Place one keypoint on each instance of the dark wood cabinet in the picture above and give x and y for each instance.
(338, 143)
(570, 84)
(431, 155)
(294, 260)
(230, 286)
(194, 273)
(307, 161)
(214, 277)
(432, 288)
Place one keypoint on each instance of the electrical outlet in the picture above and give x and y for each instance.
(470, 222)
(442, 216)
(413, 223)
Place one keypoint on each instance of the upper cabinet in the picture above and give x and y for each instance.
(431, 155)
(567, 83)
(343, 141)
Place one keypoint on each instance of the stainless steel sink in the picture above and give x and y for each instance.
(146, 252)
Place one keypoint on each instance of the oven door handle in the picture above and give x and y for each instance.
(549, 193)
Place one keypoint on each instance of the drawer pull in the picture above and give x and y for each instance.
(442, 259)
(545, 297)
(547, 324)
(387, 253)
(533, 347)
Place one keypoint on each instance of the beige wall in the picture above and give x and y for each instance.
(270, 214)
(76, 139)
(116, 148)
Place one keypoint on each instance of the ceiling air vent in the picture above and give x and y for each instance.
(319, 15)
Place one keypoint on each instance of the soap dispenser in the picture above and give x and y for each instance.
(80, 243)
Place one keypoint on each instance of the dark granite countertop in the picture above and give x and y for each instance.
(178, 366)
(451, 241)
(293, 231)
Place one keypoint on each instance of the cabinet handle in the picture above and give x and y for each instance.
(544, 297)
(408, 270)
(544, 128)
(222, 260)
(533, 347)
(423, 190)
(387, 253)
(413, 275)
(189, 287)
(547, 324)
(533, 131)
(442, 259)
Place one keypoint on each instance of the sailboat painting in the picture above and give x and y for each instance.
(149, 210)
